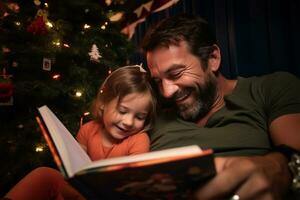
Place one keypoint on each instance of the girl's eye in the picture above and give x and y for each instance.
(141, 118)
(122, 111)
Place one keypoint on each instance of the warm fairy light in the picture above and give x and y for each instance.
(78, 94)
(86, 26)
(106, 23)
(86, 113)
(109, 71)
(56, 43)
(18, 23)
(56, 76)
(49, 24)
(103, 27)
(66, 45)
(39, 149)
(116, 17)
(108, 2)
(46, 5)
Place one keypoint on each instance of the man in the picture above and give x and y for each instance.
(243, 120)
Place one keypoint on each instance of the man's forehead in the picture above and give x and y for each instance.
(162, 60)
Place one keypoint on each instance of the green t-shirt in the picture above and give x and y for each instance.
(241, 127)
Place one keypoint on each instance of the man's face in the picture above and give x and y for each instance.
(182, 80)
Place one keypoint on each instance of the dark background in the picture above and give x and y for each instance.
(255, 36)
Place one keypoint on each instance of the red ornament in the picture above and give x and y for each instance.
(37, 26)
(6, 91)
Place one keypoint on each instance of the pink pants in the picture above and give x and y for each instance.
(42, 184)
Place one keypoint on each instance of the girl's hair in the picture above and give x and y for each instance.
(121, 82)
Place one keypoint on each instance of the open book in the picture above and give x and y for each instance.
(160, 174)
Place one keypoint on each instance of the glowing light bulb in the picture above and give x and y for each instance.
(49, 24)
(56, 76)
(78, 94)
(86, 26)
(39, 149)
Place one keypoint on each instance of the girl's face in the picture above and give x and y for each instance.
(128, 117)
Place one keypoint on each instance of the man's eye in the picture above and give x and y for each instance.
(175, 75)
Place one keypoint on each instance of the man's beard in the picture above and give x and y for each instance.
(205, 96)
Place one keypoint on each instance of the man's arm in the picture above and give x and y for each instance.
(286, 130)
(257, 177)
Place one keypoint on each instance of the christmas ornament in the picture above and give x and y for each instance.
(6, 89)
(94, 54)
(37, 26)
(46, 64)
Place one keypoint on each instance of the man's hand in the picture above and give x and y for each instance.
(258, 177)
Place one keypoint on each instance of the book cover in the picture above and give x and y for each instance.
(165, 174)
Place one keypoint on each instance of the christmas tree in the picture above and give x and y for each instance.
(55, 53)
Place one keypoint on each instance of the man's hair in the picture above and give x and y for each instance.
(120, 83)
(192, 29)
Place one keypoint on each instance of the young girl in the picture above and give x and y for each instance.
(123, 110)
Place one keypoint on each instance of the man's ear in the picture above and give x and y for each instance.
(214, 61)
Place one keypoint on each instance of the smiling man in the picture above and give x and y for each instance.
(248, 120)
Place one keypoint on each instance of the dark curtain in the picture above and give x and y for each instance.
(255, 36)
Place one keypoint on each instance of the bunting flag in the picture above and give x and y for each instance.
(139, 14)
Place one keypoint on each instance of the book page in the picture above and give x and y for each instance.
(72, 155)
(167, 153)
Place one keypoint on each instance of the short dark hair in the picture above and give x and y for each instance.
(192, 29)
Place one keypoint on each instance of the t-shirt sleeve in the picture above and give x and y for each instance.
(82, 135)
(282, 97)
(139, 143)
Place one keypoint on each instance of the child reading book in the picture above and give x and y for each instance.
(123, 110)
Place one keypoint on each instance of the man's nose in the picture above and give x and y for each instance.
(168, 88)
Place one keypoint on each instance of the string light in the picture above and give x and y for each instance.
(56, 76)
(78, 94)
(103, 27)
(18, 23)
(39, 148)
(66, 45)
(56, 43)
(116, 17)
(86, 26)
(46, 5)
(82, 117)
(86, 113)
(49, 24)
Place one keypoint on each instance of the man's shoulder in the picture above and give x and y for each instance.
(275, 76)
(268, 81)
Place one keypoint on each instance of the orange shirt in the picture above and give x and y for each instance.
(90, 133)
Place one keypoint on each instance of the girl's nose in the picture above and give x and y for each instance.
(127, 121)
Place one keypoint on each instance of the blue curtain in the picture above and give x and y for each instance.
(255, 36)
